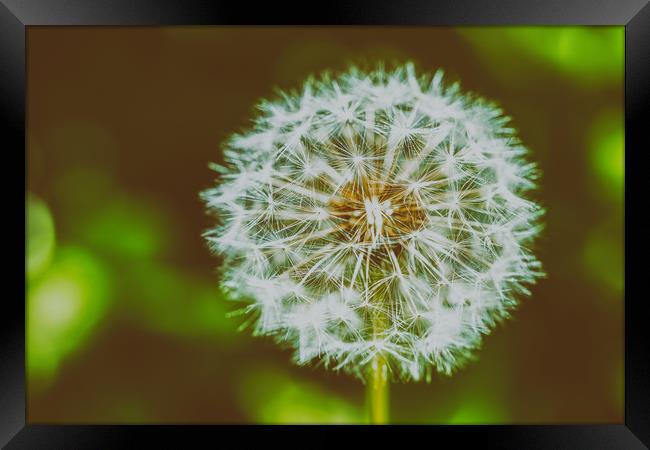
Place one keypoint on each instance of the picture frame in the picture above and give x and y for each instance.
(17, 15)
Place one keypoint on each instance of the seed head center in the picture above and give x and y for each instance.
(373, 211)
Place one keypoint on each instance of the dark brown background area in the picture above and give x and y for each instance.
(137, 114)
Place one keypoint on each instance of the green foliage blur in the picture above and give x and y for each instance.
(126, 322)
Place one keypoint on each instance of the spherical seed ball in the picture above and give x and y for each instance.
(377, 213)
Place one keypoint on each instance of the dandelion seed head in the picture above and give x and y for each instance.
(377, 213)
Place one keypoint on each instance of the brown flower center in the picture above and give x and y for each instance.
(373, 211)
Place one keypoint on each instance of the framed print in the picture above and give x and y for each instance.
(405, 215)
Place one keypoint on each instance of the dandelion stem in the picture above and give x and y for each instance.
(377, 391)
(377, 383)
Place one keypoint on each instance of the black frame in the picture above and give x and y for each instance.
(16, 15)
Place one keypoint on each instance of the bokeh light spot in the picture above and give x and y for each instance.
(126, 228)
(479, 413)
(581, 51)
(590, 55)
(273, 397)
(58, 304)
(63, 307)
(173, 301)
(607, 152)
(40, 236)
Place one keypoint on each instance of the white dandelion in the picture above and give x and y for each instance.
(377, 218)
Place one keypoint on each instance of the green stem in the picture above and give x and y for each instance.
(377, 390)
(378, 381)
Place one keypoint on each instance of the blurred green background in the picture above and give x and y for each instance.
(125, 320)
